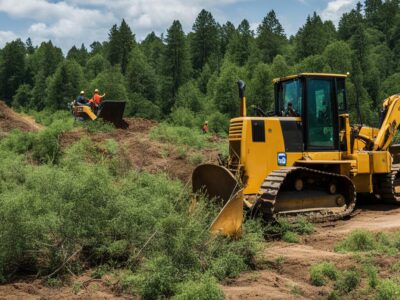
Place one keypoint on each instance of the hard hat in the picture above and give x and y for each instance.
(96, 90)
(82, 92)
(206, 122)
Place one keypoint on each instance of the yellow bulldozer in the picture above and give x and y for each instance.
(305, 157)
(111, 111)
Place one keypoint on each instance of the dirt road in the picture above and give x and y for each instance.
(288, 272)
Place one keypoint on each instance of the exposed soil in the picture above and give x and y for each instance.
(10, 120)
(143, 153)
(289, 264)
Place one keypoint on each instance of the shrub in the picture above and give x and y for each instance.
(228, 265)
(99, 125)
(348, 281)
(387, 290)
(288, 228)
(290, 237)
(319, 273)
(205, 288)
(372, 273)
(358, 240)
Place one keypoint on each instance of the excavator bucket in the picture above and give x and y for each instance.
(220, 184)
(113, 112)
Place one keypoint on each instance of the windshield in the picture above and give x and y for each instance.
(291, 98)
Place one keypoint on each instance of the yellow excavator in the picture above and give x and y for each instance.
(303, 158)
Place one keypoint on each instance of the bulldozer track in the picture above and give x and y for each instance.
(386, 186)
(274, 182)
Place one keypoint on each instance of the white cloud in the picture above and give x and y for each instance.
(336, 8)
(6, 36)
(71, 22)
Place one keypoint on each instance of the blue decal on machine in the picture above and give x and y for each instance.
(282, 159)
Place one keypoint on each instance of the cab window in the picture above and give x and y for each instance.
(341, 95)
(320, 114)
(290, 98)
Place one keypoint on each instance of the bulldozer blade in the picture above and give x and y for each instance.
(230, 218)
(215, 181)
(113, 112)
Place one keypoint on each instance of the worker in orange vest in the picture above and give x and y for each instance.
(96, 100)
(205, 127)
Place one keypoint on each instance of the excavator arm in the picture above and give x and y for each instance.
(390, 124)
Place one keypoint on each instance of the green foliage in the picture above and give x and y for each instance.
(64, 85)
(23, 96)
(387, 290)
(204, 288)
(348, 281)
(111, 82)
(284, 226)
(141, 107)
(99, 125)
(372, 273)
(290, 237)
(320, 273)
(358, 240)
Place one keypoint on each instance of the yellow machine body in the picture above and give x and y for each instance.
(281, 169)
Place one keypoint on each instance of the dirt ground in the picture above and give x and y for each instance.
(278, 281)
(11, 120)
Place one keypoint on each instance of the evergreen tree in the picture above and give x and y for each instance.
(349, 22)
(12, 69)
(205, 39)
(153, 47)
(95, 48)
(226, 32)
(23, 96)
(96, 65)
(121, 41)
(242, 43)
(140, 76)
(46, 58)
(314, 36)
(64, 85)
(111, 82)
(338, 57)
(176, 64)
(29, 47)
(271, 37)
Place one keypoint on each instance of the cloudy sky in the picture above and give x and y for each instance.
(72, 22)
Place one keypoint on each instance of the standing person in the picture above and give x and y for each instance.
(96, 99)
(81, 99)
(205, 127)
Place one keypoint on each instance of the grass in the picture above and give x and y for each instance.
(322, 272)
(366, 241)
(387, 290)
(288, 230)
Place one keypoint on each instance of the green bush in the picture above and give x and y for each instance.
(319, 273)
(229, 265)
(358, 240)
(204, 288)
(284, 227)
(99, 125)
(372, 273)
(387, 290)
(290, 237)
(348, 281)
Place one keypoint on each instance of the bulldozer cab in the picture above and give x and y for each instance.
(317, 100)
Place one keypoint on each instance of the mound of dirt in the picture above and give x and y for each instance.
(143, 153)
(10, 120)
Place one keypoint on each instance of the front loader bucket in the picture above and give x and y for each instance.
(219, 183)
(113, 112)
(215, 181)
(230, 218)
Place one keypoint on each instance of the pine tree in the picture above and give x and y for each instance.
(29, 47)
(176, 64)
(12, 69)
(121, 41)
(241, 45)
(314, 36)
(205, 39)
(227, 32)
(349, 22)
(140, 76)
(271, 37)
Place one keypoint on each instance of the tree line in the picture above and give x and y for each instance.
(189, 78)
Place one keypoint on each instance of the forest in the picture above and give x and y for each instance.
(190, 77)
(84, 203)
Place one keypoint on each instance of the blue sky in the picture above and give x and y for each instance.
(73, 22)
